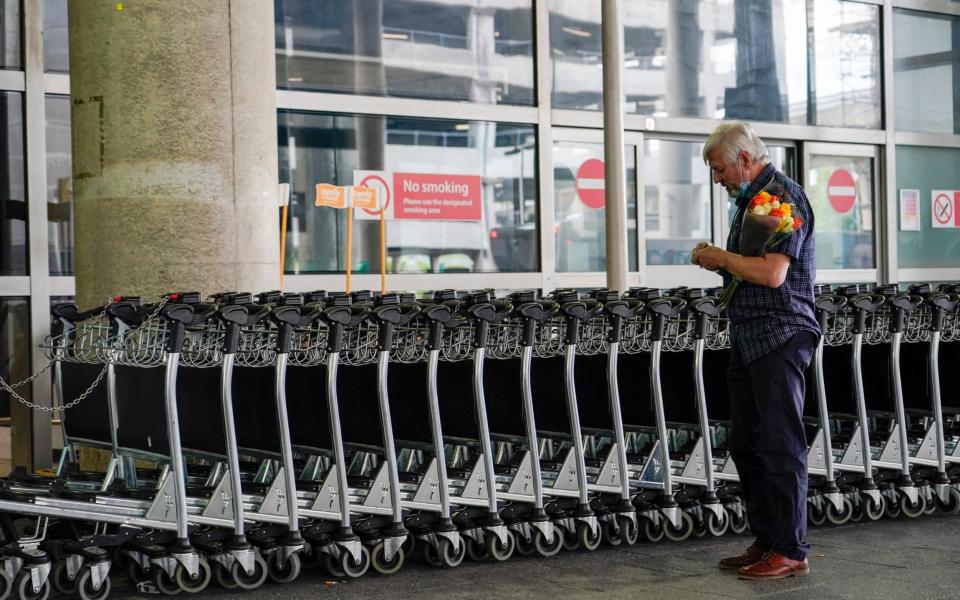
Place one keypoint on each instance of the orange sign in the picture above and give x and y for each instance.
(364, 197)
(331, 195)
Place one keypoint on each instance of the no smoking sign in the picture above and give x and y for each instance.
(945, 209)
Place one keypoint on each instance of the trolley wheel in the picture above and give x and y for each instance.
(86, 591)
(815, 516)
(355, 568)
(738, 523)
(61, 581)
(432, 555)
(23, 587)
(6, 585)
(589, 540)
(476, 551)
(609, 534)
(498, 550)
(873, 510)
(286, 571)
(451, 556)
(893, 510)
(910, 509)
(223, 577)
(164, 583)
(332, 565)
(546, 547)
(193, 584)
(136, 574)
(651, 531)
(679, 534)
(310, 557)
(717, 526)
(952, 505)
(629, 530)
(841, 516)
(254, 579)
(522, 546)
(381, 564)
(571, 542)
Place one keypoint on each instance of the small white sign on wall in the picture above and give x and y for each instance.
(909, 210)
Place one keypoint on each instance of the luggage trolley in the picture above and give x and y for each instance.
(826, 500)
(932, 449)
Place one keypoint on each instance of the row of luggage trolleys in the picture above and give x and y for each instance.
(223, 505)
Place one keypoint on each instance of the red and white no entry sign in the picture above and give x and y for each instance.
(841, 191)
(590, 183)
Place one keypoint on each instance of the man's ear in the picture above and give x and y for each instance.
(746, 159)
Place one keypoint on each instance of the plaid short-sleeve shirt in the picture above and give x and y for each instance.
(763, 319)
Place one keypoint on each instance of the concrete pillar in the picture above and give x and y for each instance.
(174, 146)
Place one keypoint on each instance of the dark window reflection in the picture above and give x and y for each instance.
(688, 58)
(59, 185)
(13, 208)
(500, 158)
(480, 51)
(14, 346)
(56, 50)
(10, 28)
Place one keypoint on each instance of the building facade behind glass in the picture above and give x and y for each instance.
(503, 97)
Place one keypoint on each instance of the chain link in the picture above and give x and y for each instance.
(71, 404)
(11, 387)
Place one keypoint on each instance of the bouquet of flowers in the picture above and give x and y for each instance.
(767, 222)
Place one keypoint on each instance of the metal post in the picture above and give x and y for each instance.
(618, 263)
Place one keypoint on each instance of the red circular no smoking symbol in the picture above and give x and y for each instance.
(590, 183)
(383, 189)
(841, 191)
(943, 209)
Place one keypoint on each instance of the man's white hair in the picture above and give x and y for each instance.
(733, 137)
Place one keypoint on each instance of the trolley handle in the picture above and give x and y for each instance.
(940, 303)
(235, 317)
(531, 315)
(827, 305)
(388, 317)
(129, 313)
(703, 309)
(290, 317)
(864, 304)
(484, 314)
(902, 305)
(66, 316)
(438, 316)
(920, 289)
(575, 313)
(178, 316)
(617, 311)
(337, 319)
(660, 310)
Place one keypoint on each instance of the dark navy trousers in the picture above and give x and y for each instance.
(769, 446)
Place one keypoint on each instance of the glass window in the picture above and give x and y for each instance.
(841, 191)
(14, 347)
(688, 58)
(677, 200)
(926, 62)
(462, 195)
(59, 185)
(925, 170)
(13, 208)
(579, 211)
(10, 27)
(845, 71)
(478, 51)
(56, 50)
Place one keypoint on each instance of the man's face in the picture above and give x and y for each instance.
(728, 175)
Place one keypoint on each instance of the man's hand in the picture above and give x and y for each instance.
(710, 257)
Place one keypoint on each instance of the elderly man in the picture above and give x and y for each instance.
(773, 333)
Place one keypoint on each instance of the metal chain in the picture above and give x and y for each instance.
(71, 404)
(10, 388)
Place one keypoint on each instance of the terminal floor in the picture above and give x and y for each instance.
(910, 559)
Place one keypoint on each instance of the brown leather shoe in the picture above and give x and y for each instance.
(733, 563)
(775, 566)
